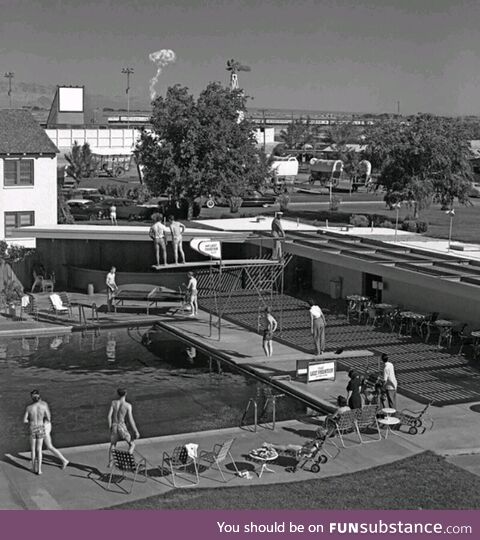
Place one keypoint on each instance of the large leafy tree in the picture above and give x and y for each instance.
(201, 147)
(424, 159)
(298, 133)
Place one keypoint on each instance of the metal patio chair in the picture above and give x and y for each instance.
(217, 456)
(367, 419)
(125, 462)
(344, 424)
(180, 461)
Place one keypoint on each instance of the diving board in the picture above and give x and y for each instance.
(218, 263)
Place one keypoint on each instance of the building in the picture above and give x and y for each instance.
(28, 175)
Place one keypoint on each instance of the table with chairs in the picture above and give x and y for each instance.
(357, 306)
(411, 322)
(446, 329)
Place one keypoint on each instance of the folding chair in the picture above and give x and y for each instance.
(180, 461)
(367, 419)
(125, 462)
(57, 305)
(345, 423)
(218, 455)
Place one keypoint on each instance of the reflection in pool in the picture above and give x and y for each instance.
(174, 388)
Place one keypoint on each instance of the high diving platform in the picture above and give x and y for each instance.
(218, 263)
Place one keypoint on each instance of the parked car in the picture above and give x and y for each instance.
(83, 209)
(251, 198)
(87, 193)
(126, 209)
(474, 190)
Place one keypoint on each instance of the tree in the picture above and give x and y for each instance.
(201, 147)
(80, 162)
(298, 133)
(424, 159)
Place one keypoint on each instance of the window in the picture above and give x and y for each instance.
(14, 220)
(18, 172)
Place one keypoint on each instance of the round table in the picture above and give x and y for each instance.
(389, 411)
(388, 422)
(263, 460)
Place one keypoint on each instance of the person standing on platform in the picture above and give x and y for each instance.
(113, 214)
(157, 234)
(177, 229)
(111, 287)
(277, 232)
(389, 381)
(192, 293)
(317, 319)
(270, 325)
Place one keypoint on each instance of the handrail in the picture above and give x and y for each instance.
(273, 399)
(255, 414)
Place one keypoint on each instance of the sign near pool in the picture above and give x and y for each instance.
(205, 246)
(317, 370)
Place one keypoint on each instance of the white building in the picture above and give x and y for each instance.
(28, 175)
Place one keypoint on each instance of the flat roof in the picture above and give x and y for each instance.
(255, 224)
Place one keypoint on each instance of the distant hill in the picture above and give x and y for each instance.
(37, 95)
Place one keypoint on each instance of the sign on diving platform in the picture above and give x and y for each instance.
(205, 246)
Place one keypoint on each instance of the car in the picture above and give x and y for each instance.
(474, 190)
(83, 209)
(126, 209)
(251, 198)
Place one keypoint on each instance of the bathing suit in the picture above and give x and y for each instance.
(267, 335)
(37, 431)
(119, 432)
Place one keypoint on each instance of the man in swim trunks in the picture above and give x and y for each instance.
(120, 409)
(177, 229)
(36, 415)
(157, 234)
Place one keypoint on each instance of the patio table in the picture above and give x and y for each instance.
(263, 456)
(412, 321)
(445, 326)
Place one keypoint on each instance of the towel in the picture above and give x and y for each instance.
(192, 450)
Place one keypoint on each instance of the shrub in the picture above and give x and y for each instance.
(422, 226)
(359, 220)
(409, 225)
(387, 224)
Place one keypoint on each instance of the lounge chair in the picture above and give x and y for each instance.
(217, 456)
(125, 462)
(57, 305)
(181, 461)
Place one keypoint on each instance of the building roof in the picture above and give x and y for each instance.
(21, 134)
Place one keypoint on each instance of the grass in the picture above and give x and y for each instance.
(424, 481)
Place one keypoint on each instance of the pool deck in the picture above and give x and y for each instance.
(84, 484)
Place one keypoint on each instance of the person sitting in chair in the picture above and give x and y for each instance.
(38, 277)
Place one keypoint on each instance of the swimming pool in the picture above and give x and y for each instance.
(173, 388)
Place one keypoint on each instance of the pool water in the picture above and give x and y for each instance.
(173, 388)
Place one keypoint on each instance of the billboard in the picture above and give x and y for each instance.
(70, 99)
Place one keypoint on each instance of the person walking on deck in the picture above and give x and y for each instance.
(277, 233)
(192, 293)
(120, 411)
(35, 416)
(270, 326)
(317, 320)
(48, 439)
(389, 381)
(111, 287)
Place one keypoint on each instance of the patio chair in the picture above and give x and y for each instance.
(66, 301)
(344, 424)
(218, 455)
(125, 462)
(367, 419)
(372, 316)
(57, 305)
(180, 461)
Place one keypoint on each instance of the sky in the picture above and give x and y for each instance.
(339, 55)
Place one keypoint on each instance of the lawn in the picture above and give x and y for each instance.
(424, 481)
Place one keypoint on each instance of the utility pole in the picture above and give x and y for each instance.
(10, 75)
(264, 129)
(128, 71)
(398, 108)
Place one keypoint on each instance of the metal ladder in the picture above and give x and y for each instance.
(257, 419)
